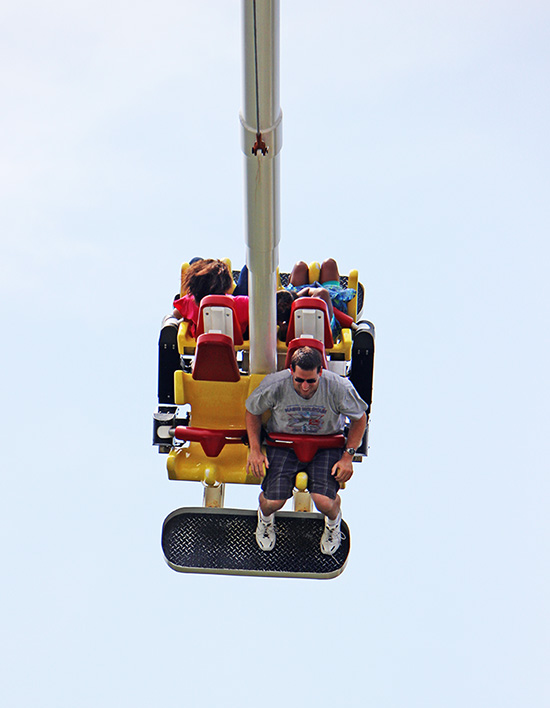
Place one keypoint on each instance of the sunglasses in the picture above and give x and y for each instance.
(309, 381)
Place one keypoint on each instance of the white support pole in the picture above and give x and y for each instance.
(261, 121)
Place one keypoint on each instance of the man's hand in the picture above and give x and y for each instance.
(256, 459)
(343, 469)
(255, 463)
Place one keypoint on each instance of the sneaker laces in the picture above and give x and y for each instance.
(332, 557)
(330, 539)
(265, 526)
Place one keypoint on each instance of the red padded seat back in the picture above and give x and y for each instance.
(311, 306)
(305, 342)
(226, 301)
(215, 359)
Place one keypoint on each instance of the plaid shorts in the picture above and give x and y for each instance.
(279, 480)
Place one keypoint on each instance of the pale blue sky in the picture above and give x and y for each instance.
(415, 149)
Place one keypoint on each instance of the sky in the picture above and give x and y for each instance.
(415, 150)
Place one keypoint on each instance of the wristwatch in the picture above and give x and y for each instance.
(351, 451)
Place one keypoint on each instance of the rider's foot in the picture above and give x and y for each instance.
(265, 532)
(331, 538)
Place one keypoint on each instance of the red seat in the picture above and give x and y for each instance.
(305, 446)
(212, 441)
(305, 342)
(215, 359)
(210, 301)
(309, 303)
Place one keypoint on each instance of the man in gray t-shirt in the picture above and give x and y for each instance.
(304, 399)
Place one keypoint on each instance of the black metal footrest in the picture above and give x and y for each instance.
(222, 541)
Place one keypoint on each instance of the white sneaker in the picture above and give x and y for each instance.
(331, 539)
(265, 534)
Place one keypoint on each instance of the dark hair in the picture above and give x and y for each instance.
(307, 359)
(285, 298)
(207, 276)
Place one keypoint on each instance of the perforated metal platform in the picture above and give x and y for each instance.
(222, 541)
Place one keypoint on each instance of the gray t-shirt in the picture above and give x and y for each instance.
(322, 414)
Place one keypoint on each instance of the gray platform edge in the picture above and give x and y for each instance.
(249, 573)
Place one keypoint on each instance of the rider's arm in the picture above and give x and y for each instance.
(343, 469)
(344, 319)
(356, 430)
(322, 293)
(256, 459)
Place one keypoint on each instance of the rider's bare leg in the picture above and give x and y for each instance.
(327, 506)
(300, 274)
(268, 506)
(329, 271)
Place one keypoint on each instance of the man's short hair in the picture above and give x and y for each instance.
(307, 359)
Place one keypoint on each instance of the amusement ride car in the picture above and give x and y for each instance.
(204, 381)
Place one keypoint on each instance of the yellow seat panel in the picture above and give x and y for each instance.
(353, 282)
(214, 405)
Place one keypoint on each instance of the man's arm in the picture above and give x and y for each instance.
(256, 459)
(343, 469)
(322, 293)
